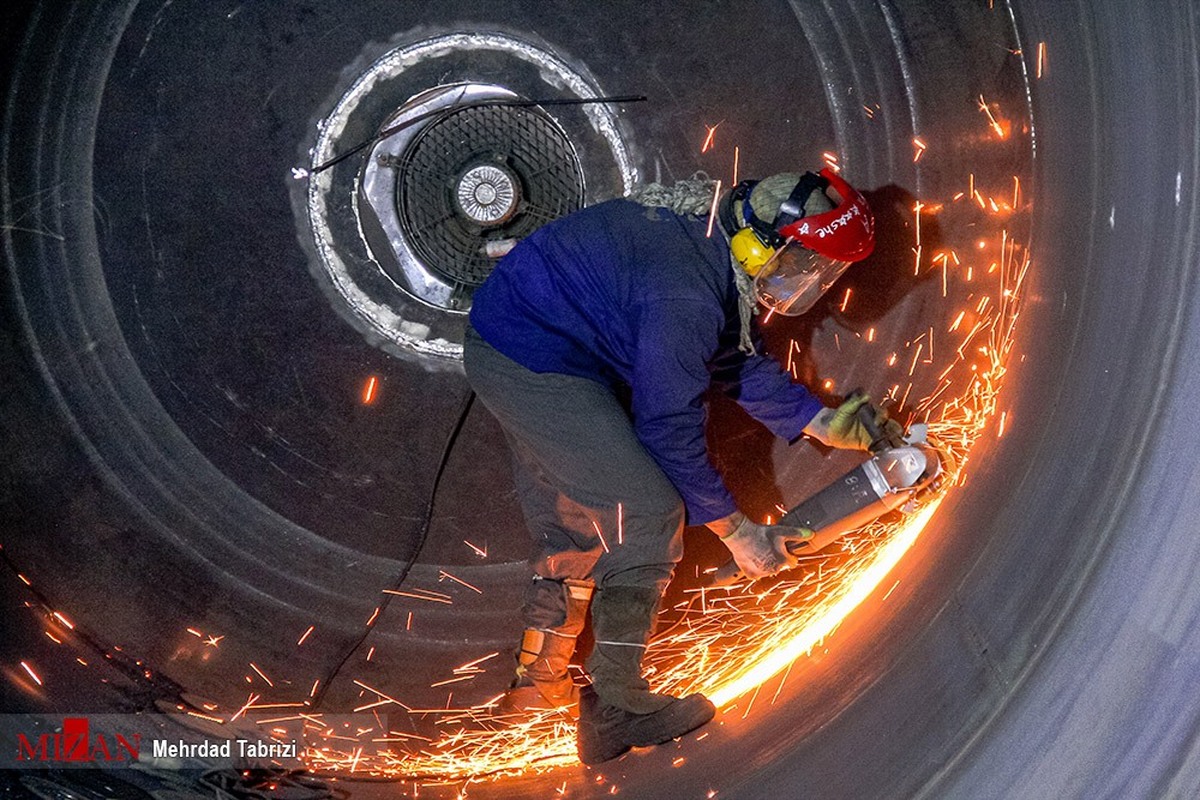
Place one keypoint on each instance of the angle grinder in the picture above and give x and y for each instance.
(901, 467)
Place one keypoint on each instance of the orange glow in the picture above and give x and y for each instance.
(369, 390)
(261, 674)
(712, 211)
(834, 611)
(1001, 131)
(442, 574)
(600, 533)
(422, 594)
(28, 669)
(727, 642)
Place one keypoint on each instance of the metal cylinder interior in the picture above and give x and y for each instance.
(198, 437)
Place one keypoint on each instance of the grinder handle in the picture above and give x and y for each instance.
(867, 415)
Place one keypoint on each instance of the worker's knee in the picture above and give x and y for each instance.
(648, 547)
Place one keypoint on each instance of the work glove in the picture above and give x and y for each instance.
(759, 550)
(842, 428)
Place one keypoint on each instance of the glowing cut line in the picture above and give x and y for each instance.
(809, 636)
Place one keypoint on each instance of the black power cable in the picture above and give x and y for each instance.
(470, 397)
(408, 123)
(464, 411)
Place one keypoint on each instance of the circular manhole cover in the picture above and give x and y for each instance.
(456, 168)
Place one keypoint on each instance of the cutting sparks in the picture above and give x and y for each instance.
(712, 211)
(29, 670)
(995, 126)
(726, 642)
(919, 148)
(443, 575)
(369, 390)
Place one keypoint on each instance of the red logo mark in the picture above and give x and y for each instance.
(76, 744)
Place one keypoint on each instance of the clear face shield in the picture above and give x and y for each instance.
(795, 278)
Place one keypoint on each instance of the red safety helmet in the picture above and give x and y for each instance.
(847, 233)
(795, 258)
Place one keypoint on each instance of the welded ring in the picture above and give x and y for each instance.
(389, 297)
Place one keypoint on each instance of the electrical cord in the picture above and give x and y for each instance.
(423, 536)
(408, 123)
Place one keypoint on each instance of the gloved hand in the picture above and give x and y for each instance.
(840, 427)
(892, 430)
(759, 550)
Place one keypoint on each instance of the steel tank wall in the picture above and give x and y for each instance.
(1081, 686)
(1043, 641)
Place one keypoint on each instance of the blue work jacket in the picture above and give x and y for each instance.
(622, 293)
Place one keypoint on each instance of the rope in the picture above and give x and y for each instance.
(691, 196)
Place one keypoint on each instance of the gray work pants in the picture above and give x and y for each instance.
(597, 505)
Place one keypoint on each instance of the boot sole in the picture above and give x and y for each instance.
(681, 718)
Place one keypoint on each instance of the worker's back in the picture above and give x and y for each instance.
(573, 296)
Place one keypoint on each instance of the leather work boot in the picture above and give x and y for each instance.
(606, 731)
(542, 680)
(618, 711)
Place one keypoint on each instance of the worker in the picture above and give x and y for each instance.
(593, 343)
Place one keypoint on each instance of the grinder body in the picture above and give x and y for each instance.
(899, 468)
(880, 484)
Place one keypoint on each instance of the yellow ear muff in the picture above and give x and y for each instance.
(750, 251)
